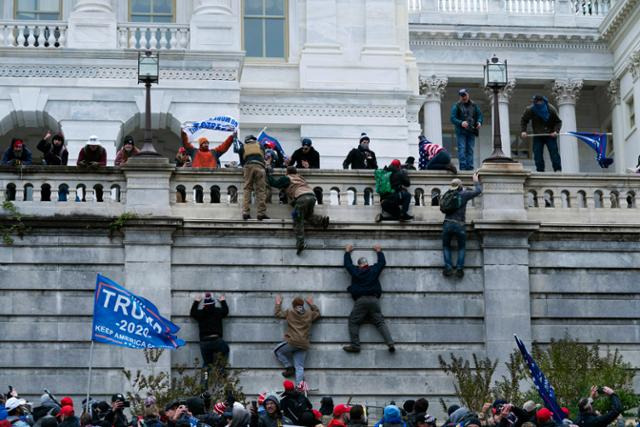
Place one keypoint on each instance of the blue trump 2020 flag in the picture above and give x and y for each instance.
(264, 137)
(597, 141)
(125, 319)
(545, 390)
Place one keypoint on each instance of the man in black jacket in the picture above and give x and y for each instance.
(365, 290)
(209, 319)
(590, 418)
(396, 204)
(305, 157)
(361, 157)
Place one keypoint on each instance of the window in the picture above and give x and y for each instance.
(43, 10)
(631, 113)
(152, 10)
(264, 28)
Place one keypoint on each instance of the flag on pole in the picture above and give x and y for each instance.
(545, 390)
(597, 141)
(210, 128)
(127, 320)
(264, 138)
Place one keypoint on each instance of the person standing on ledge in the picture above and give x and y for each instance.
(467, 118)
(366, 291)
(545, 122)
(361, 157)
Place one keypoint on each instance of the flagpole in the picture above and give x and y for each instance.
(87, 408)
(563, 133)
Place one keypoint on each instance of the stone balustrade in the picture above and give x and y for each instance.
(33, 34)
(153, 36)
(343, 194)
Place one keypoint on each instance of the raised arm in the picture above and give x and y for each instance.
(224, 147)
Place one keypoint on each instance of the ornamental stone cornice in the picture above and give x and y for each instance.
(107, 72)
(613, 90)
(504, 94)
(433, 87)
(324, 110)
(634, 65)
(567, 91)
(616, 17)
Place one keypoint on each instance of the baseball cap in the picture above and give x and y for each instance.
(456, 183)
(118, 397)
(341, 409)
(66, 411)
(13, 403)
(18, 144)
(395, 163)
(306, 141)
(93, 140)
(66, 401)
(463, 91)
(249, 138)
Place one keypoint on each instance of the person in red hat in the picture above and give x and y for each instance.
(294, 403)
(66, 401)
(67, 417)
(544, 418)
(17, 154)
(340, 416)
(183, 160)
(395, 205)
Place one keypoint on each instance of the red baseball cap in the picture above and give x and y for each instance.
(18, 143)
(396, 163)
(288, 385)
(66, 411)
(66, 401)
(544, 415)
(341, 409)
(317, 414)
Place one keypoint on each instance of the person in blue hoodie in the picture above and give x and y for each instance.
(365, 290)
(391, 418)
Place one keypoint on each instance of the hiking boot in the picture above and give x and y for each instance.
(406, 217)
(261, 217)
(392, 348)
(300, 246)
(289, 372)
(246, 216)
(451, 168)
(325, 222)
(447, 272)
(351, 348)
(460, 273)
(379, 218)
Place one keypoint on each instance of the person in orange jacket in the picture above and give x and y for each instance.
(203, 157)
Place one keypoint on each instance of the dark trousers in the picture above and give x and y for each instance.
(449, 230)
(439, 161)
(303, 212)
(397, 204)
(367, 309)
(210, 349)
(552, 145)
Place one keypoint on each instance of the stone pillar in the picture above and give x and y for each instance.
(504, 96)
(380, 25)
(433, 88)
(413, 110)
(617, 126)
(148, 190)
(505, 230)
(633, 144)
(92, 25)
(566, 92)
(215, 26)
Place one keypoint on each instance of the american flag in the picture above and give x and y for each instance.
(545, 390)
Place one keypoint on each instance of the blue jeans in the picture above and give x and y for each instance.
(286, 353)
(449, 230)
(538, 156)
(465, 141)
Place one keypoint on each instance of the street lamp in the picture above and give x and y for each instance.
(495, 78)
(148, 72)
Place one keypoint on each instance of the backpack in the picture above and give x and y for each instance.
(383, 181)
(450, 201)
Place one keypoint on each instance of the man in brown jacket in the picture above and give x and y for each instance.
(293, 351)
(303, 199)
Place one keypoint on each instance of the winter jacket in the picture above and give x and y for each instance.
(152, 422)
(53, 154)
(9, 157)
(591, 419)
(364, 281)
(251, 153)
(122, 156)
(294, 185)
(399, 178)
(469, 112)
(360, 158)
(266, 420)
(294, 404)
(298, 325)
(312, 156)
(87, 155)
(460, 214)
(70, 422)
(209, 318)
(206, 158)
(554, 124)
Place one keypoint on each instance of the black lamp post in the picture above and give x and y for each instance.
(495, 78)
(148, 72)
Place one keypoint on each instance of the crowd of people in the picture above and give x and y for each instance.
(292, 407)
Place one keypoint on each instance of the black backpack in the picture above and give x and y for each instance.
(450, 201)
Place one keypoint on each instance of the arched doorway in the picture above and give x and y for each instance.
(29, 127)
(164, 127)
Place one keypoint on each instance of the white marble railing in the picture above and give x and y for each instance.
(463, 6)
(62, 185)
(591, 7)
(153, 36)
(530, 7)
(33, 34)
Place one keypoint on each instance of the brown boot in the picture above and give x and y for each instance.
(451, 168)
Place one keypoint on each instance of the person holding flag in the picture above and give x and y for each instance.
(203, 157)
(546, 124)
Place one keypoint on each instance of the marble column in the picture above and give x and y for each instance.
(633, 144)
(504, 96)
(211, 7)
(433, 89)
(92, 25)
(617, 126)
(567, 92)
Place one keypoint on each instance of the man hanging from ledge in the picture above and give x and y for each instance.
(209, 318)
(303, 199)
(203, 157)
(365, 290)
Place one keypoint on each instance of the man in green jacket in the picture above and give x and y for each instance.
(293, 350)
(303, 199)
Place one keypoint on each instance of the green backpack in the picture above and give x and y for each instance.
(450, 201)
(383, 181)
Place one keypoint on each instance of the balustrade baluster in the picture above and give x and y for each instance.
(184, 39)
(144, 41)
(173, 41)
(122, 38)
(11, 38)
(163, 38)
(62, 38)
(51, 40)
(132, 38)
(21, 38)
(3, 30)
(153, 40)
(31, 39)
